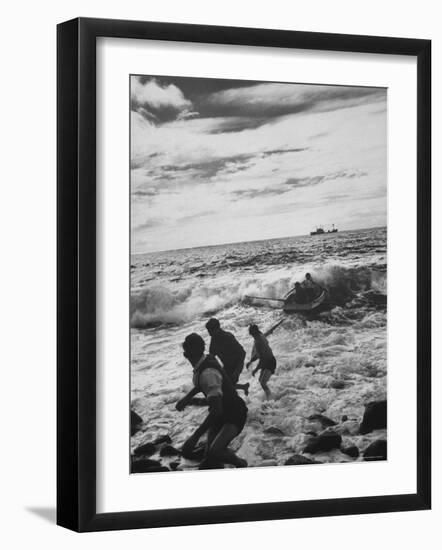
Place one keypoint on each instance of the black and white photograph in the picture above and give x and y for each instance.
(258, 273)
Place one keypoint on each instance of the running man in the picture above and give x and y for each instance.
(262, 351)
(227, 411)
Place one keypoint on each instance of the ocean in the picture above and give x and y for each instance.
(332, 362)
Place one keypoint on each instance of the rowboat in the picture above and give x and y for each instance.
(289, 304)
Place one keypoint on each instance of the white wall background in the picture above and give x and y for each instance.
(27, 286)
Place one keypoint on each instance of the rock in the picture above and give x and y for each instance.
(323, 443)
(375, 417)
(296, 460)
(147, 449)
(352, 451)
(156, 469)
(314, 434)
(196, 454)
(273, 430)
(162, 439)
(337, 384)
(265, 449)
(168, 450)
(309, 365)
(376, 450)
(144, 465)
(323, 420)
(344, 418)
(135, 422)
(174, 465)
(349, 427)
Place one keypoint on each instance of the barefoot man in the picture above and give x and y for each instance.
(262, 351)
(227, 411)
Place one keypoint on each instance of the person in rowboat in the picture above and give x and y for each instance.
(312, 289)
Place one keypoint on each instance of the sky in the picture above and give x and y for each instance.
(218, 161)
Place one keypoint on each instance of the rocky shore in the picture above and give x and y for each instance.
(322, 440)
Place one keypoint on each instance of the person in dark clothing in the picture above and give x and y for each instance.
(226, 347)
(227, 411)
(300, 294)
(311, 288)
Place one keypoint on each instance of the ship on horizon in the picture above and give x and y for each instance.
(321, 231)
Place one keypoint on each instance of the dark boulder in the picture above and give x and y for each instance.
(135, 422)
(155, 469)
(174, 465)
(352, 451)
(147, 449)
(323, 420)
(337, 384)
(162, 439)
(344, 418)
(297, 460)
(144, 465)
(168, 450)
(375, 417)
(376, 450)
(323, 443)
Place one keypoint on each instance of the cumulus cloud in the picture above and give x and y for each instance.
(212, 164)
(157, 96)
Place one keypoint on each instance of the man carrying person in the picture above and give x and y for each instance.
(227, 411)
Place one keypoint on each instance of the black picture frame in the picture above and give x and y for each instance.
(77, 287)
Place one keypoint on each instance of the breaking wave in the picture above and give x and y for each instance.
(162, 304)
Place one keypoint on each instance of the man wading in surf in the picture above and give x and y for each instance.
(227, 348)
(227, 411)
(262, 351)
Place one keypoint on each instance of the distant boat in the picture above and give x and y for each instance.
(321, 231)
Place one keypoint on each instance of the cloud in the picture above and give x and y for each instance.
(156, 96)
(269, 100)
(315, 180)
(158, 102)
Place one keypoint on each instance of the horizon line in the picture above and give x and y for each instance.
(249, 241)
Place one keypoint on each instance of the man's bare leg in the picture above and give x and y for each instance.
(219, 449)
(263, 379)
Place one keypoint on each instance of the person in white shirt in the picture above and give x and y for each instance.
(227, 411)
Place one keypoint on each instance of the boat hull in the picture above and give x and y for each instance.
(293, 307)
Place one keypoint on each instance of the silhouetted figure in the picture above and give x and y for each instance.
(300, 294)
(227, 411)
(312, 289)
(262, 351)
(226, 347)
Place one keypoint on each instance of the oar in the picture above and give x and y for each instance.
(265, 298)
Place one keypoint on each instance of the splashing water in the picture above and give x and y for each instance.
(332, 362)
